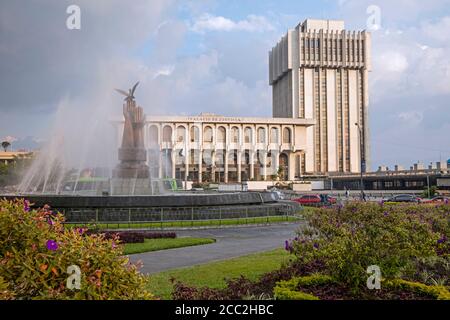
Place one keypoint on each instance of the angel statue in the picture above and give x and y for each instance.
(133, 135)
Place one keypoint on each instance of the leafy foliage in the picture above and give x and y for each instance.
(432, 192)
(351, 238)
(36, 250)
(409, 242)
(242, 287)
(287, 290)
(133, 236)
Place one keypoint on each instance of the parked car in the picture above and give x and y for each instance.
(315, 199)
(279, 193)
(405, 198)
(437, 199)
(328, 199)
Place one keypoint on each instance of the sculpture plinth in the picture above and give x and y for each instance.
(132, 153)
(131, 176)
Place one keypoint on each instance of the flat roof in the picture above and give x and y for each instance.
(10, 155)
(210, 118)
(322, 24)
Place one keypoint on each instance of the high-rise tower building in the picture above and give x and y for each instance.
(319, 71)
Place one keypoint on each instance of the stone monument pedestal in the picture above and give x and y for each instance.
(132, 164)
(129, 186)
(132, 175)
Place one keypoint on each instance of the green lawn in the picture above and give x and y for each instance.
(195, 223)
(162, 244)
(213, 274)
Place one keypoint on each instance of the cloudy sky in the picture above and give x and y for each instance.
(211, 55)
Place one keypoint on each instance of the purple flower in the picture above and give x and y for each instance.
(286, 245)
(52, 245)
(316, 245)
(442, 239)
(386, 213)
(26, 205)
(80, 230)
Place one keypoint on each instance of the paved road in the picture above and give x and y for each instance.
(230, 243)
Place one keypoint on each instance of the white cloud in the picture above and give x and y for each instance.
(10, 139)
(412, 117)
(253, 23)
(439, 31)
(393, 61)
(164, 71)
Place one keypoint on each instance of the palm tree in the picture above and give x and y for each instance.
(5, 145)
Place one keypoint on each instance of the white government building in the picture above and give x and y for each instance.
(319, 77)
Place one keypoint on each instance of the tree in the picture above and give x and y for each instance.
(5, 145)
(281, 172)
(433, 192)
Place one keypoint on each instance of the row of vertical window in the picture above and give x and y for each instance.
(333, 49)
(221, 134)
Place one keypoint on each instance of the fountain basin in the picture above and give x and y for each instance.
(165, 200)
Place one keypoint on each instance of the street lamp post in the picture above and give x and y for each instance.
(361, 159)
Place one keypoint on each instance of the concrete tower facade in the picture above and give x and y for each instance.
(319, 71)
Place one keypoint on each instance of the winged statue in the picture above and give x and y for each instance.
(129, 96)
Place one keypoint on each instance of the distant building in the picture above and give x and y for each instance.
(319, 71)
(416, 177)
(224, 149)
(9, 157)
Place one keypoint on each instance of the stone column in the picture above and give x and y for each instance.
(200, 162)
(213, 166)
(160, 171)
(252, 164)
(187, 158)
(173, 157)
(276, 163)
(239, 165)
(226, 166)
(264, 155)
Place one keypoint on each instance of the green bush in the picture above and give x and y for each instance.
(438, 292)
(351, 238)
(433, 192)
(36, 250)
(287, 290)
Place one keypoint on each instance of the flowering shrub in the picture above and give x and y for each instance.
(351, 238)
(408, 242)
(133, 236)
(242, 287)
(36, 251)
(316, 286)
